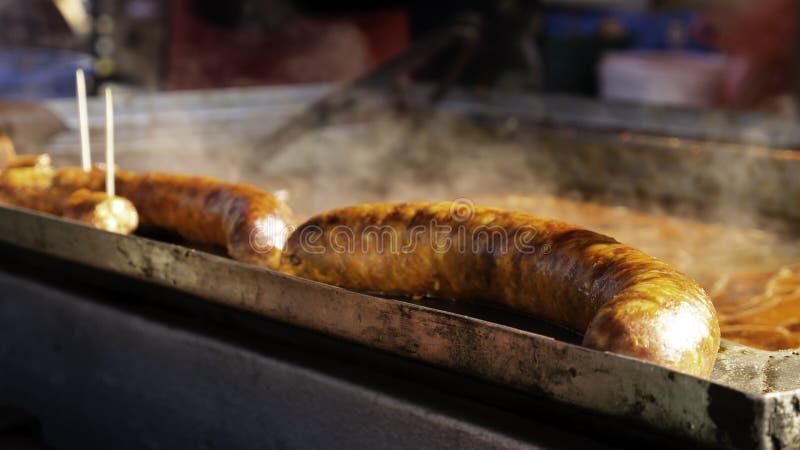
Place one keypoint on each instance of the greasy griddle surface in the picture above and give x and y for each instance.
(749, 272)
(752, 275)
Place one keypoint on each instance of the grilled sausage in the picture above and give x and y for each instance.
(621, 299)
(31, 188)
(252, 224)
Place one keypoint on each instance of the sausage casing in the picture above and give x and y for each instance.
(623, 300)
(31, 187)
(252, 224)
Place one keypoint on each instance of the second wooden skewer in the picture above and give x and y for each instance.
(110, 167)
(83, 120)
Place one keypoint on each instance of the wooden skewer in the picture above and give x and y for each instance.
(110, 187)
(83, 120)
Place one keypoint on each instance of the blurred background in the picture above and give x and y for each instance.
(709, 53)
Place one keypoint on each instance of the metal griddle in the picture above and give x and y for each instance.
(733, 408)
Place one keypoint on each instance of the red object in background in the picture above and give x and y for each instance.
(302, 50)
(760, 38)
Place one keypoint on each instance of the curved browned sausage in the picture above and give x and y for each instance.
(623, 300)
(252, 224)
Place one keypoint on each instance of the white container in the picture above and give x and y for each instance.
(663, 78)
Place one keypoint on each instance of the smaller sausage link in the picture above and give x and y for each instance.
(252, 224)
(32, 188)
